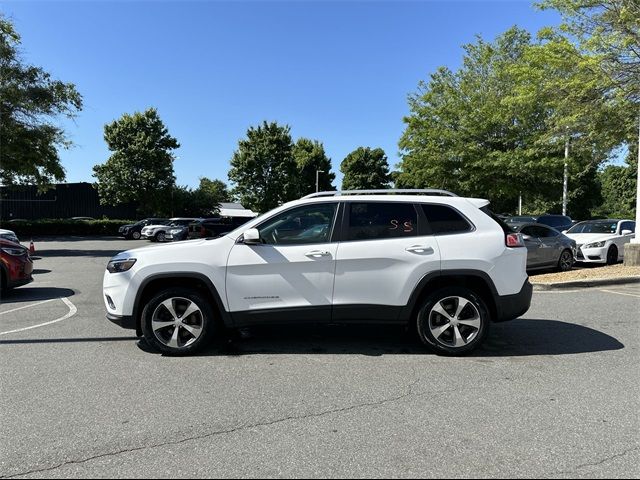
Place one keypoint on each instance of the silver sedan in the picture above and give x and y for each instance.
(546, 247)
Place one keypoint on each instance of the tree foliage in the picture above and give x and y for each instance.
(140, 169)
(365, 168)
(497, 127)
(30, 100)
(263, 168)
(310, 157)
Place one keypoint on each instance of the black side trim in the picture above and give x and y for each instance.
(274, 316)
(367, 313)
(137, 308)
(513, 306)
(127, 321)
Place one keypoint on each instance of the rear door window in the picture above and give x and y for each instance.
(445, 220)
(380, 220)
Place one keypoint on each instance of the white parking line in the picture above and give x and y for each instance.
(620, 293)
(72, 311)
(27, 306)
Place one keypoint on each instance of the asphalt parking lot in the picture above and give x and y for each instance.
(553, 394)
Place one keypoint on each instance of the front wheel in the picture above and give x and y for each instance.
(453, 321)
(178, 321)
(160, 237)
(565, 263)
(612, 255)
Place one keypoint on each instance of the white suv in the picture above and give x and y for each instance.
(426, 258)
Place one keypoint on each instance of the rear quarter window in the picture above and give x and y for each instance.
(445, 220)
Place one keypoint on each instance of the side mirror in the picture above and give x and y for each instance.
(627, 232)
(251, 237)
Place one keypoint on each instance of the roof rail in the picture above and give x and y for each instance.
(388, 191)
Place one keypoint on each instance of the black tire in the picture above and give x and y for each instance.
(444, 344)
(160, 237)
(135, 235)
(566, 261)
(612, 255)
(205, 320)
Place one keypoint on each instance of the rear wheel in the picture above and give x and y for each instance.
(565, 263)
(453, 321)
(612, 255)
(135, 235)
(178, 321)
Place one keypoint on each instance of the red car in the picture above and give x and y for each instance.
(15, 265)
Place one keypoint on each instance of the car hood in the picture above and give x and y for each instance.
(168, 250)
(583, 238)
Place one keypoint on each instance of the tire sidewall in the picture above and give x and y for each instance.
(159, 238)
(209, 323)
(135, 235)
(614, 260)
(560, 261)
(422, 320)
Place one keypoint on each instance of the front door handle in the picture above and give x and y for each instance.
(317, 254)
(426, 249)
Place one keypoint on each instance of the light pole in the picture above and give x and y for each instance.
(318, 180)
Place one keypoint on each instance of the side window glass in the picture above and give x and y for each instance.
(445, 220)
(527, 231)
(549, 232)
(299, 226)
(375, 221)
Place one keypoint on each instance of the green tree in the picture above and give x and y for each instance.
(263, 168)
(140, 169)
(365, 168)
(310, 157)
(30, 100)
(497, 127)
(206, 199)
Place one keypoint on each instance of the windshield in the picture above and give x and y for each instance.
(594, 227)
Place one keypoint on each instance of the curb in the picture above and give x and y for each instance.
(596, 282)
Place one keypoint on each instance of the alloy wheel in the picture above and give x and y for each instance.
(177, 322)
(454, 321)
(136, 235)
(566, 261)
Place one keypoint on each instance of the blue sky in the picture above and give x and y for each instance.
(338, 72)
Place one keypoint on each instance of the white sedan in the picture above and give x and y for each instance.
(601, 241)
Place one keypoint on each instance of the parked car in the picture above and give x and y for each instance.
(16, 265)
(439, 263)
(158, 232)
(213, 227)
(132, 230)
(521, 219)
(546, 247)
(177, 233)
(602, 241)
(9, 235)
(559, 222)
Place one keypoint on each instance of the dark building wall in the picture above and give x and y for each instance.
(64, 200)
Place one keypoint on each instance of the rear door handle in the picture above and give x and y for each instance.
(317, 254)
(426, 249)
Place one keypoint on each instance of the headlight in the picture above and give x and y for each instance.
(16, 252)
(595, 245)
(119, 266)
(175, 230)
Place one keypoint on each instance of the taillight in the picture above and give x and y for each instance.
(514, 240)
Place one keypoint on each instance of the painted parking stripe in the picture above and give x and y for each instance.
(621, 293)
(30, 305)
(72, 311)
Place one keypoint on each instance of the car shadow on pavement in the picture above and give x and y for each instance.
(69, 340)
(34, 294)
(523, 337)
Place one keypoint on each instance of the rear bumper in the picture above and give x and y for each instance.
(126, 321)
(509, 307)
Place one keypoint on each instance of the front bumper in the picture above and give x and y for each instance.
(126, 321)
(592, 255)
(509, 307)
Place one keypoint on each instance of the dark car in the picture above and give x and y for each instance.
(213, 227)
(16, 265)
(521, 219)
(559, 222)
(546, 247)
(132, 230)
